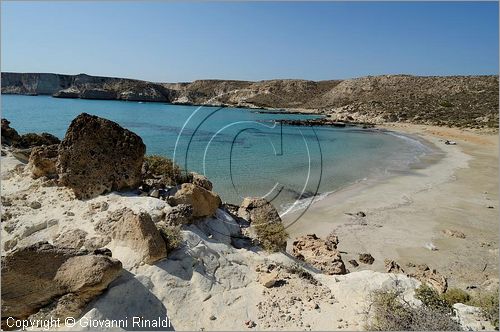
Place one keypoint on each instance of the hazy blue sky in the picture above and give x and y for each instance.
(165, 41)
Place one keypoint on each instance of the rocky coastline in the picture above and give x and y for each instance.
(93, 229)
(454, 101)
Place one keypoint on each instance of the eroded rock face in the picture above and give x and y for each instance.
(97, 94)
(321, 254)
(99, 156)
(136, 232)
(37, 275)
(204, 202)
(256, 209)
(42, 161)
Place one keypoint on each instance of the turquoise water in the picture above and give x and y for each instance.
(243, 152)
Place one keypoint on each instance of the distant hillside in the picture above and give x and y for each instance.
(463, 101)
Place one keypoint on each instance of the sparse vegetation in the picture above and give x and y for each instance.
(391, 312)
(456, 295)
(488, 302)
(431, 298)
(172, 236)
(159, 166)
(271, 235)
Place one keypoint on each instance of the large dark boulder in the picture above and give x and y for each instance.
(97, 156)
(9, 135)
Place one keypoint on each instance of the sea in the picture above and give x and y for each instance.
(244, 152)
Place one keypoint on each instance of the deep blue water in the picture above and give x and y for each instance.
(243, 152)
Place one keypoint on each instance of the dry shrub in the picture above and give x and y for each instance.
(171, 235)
(392, 313)
(488, 302)
(271, 235)
(159, 166)
(431, 298)
(455, 295)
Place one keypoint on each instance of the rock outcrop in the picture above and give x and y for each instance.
(37, 275)
(42, 161)
(9, 135)
(392, 267)
(179, 215)
(366, 258)
(321, 254)
(201, 181)
(256, 209)
(97, 93)
(135, 231)
(431, 277)
(31, 140)
(98, 156)
(204, 202)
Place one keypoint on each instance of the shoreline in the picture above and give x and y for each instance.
(405, 213)
(431, 156)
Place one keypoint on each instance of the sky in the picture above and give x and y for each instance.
(174, 42)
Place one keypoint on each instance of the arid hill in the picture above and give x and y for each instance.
(456, 101)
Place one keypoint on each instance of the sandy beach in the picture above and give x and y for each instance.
(406, 214)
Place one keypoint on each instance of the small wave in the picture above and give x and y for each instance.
(301, 204)
(414, 141)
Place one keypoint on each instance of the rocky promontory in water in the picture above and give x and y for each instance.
(455, 101)
(94, 230)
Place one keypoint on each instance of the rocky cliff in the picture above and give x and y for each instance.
(461, 101)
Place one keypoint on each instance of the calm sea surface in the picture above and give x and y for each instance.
(244, 153)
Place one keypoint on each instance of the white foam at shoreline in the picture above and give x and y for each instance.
(421, 149)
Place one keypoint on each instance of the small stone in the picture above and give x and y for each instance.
(35, 205)
(212, 317)
(366, 258)
(104, 206)
(69, 213)
(155, 193)
(361, 214)
(268, 280)
(353, 263)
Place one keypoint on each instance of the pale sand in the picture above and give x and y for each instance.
(405, 213)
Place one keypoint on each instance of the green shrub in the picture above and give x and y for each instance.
(488, 302)
(455, 295)
(172, 236)
(430, 298)
(271, 235)
(392, 313)
(159, 166)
